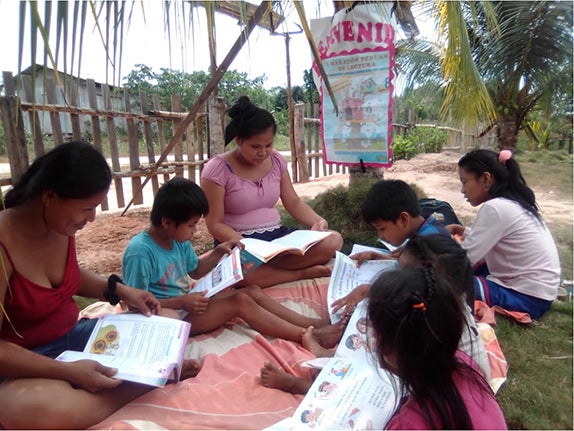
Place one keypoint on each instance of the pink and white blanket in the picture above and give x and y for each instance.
(227, 393)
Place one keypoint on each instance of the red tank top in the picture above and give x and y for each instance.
(40, 314)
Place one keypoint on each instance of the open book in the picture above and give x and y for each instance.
(296, 242)
(146, 350)
(351, 391)
(226, 273)
(347, 275)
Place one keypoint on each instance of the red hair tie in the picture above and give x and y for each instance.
(419, 306)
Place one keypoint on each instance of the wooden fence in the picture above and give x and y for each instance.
(119, 124)
(133, 132)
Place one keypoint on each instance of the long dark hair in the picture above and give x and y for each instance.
(418, 321)
(448, 259)
(508, 180)
(73, 170)
(247, 120)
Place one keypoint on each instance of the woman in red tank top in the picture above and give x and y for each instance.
(40, 215)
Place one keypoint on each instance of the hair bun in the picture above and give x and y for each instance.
(242, 108)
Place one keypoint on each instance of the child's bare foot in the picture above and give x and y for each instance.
(316, 271)
(310, 343)
(273, 377)
(190, 368)
(329, 336)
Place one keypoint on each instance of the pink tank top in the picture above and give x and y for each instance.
(249, 206)
(39, 314)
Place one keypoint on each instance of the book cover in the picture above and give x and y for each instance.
(227, 272)
(146, 350)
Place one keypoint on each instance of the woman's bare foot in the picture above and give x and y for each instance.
(190, 368)
(316, 271)
(310, 343)
(328, 336)
(273, 377)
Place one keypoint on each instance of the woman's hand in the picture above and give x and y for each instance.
(91, 375)
(137, 299)
(321, 224)
(195, 303)
(351, 300)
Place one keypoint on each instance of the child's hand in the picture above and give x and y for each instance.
(363, 256)
(196, 303)
(226, 247)
(351, 300)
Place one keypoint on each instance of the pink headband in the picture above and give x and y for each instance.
(503, 156)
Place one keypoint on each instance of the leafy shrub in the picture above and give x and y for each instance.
(403, 148)
(429, 139)
(418, 140)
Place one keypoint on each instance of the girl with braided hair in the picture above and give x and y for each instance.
(418, 321)
(515, 258)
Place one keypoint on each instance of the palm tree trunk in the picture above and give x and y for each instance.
(508, 131)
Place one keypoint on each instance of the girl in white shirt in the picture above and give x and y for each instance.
(515, 258)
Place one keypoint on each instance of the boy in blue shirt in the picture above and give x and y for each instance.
(161, 260)
(392, 208)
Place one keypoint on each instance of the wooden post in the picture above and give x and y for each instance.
(133, 145)
(215, 120)
(160, 131)
(299, 142)
(113, 142)
(96, 129)
(148, 135)
(15, 136)
(177, 149)
(33, 117)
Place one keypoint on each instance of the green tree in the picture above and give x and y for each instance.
(522, 51)
(190, 85)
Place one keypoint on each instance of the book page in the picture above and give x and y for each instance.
(347, 274)
(299, 241)
(144, 349)
(226, 273)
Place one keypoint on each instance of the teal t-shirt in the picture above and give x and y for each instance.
(165, 273)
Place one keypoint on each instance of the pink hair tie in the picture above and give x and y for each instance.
(503, 156)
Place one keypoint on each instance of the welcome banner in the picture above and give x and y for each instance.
(357, 50)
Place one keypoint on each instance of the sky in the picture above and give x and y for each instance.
(263, 54)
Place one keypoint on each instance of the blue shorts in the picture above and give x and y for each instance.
(267, 235)
(76, 339)
(494, 294)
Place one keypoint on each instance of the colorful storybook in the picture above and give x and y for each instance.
(348, 274)
(148, 350)
(258, 251)
(227, 272)
(351, 391)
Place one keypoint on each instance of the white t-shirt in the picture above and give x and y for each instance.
(517, 247)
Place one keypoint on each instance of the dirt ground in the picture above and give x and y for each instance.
(100, 244)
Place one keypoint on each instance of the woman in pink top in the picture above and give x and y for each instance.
(418, 321)
(243, 186)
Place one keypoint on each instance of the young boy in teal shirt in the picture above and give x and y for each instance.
(161, 259)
